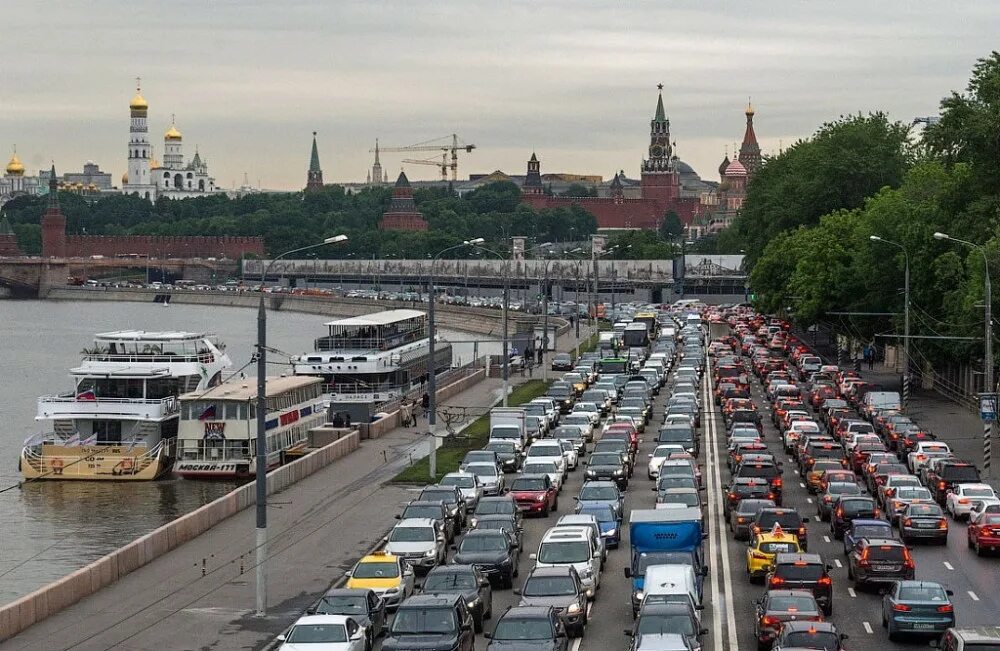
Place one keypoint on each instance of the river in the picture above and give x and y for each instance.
(49, 529)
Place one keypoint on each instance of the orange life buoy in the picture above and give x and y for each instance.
(57, 466)
(126, 465)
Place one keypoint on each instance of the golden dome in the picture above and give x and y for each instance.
(138, 103)
(14, 167)
(172, 133)
(125, 178)
(749, 110)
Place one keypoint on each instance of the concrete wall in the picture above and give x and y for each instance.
(469, 319)
(391, 420)
(50, 599)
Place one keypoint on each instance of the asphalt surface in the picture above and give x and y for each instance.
(856, 613)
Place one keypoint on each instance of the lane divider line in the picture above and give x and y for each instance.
(801, 485)
(973, 596)
(727, 578)
(868, 628)
(949, 565)
(808, 499)
(837, 562)
(851, 592)
(826, 539)
(713, 524)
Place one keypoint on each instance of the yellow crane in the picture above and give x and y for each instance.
(438, 145)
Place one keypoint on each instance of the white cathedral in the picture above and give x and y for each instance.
(173, 179)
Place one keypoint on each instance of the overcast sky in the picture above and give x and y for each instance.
(573, 80)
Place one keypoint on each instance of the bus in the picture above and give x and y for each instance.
(614, 366)
(636, 335)
(649, 319)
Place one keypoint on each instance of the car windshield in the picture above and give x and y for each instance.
(513, 628)
(461, 482)
(504, 447)
(411, 534)
(564, 551)
(492, 543)
(913, 493)
(431, 495)
(662, 558)
(377, 570)
(843, 488)
(316, 633)
(759, 470)
(528, 484)
(603, 512)
(473, 457)
(676, 481)
(605, 459)
(540, 468)
(598, 493)
(544, 451)
(657, 624)
(432, 512)
(812, 640)
(687, 499)
(549, 586)
(673, 434)
(410, 621)
(886, 553)
(925, 510)
(449, 581)
(857, 506)
(791, 603)
(872, 530)
(960, 474)
(777, 547)
(788, 520)
(481, 470)
(923, 592)
(978, 492)
(800, 572)
(343, 605)
(752, 506)
(493, 507)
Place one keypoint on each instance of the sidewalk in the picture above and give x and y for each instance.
(201, 595)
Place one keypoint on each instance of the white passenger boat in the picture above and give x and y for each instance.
(373, 359)
(120, 421)
(217, 438)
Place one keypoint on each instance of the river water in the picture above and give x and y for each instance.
(49, 529)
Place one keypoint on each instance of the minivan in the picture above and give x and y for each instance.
(671, 583)
(572, 546)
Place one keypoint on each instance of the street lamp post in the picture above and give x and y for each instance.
(988, 352)
(431, 361)
(504, 307)
(906, 315)
(261, 478)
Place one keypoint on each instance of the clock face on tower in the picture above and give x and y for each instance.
(656, 151)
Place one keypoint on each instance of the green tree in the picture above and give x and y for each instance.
(671, 226)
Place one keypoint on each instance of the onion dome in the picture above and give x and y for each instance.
(125, 178)
(172, 133)
(15, 167)
(749, 110)
(724, 165)
(736, 168)
(138, 102)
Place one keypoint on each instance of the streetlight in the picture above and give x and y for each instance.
(505, 308)
(988, 353)
(906, 314)
(261, 555)
(431, 361)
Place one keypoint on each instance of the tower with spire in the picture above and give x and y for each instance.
(53, 222)
(750, 151)
(173, 153)
(659, 179)
(314, 178)
(138, 179)
(533, 180)
(377, 177)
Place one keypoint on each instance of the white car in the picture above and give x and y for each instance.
(469, 483)
(795, 432)
(659, 455)
(959, 502)
(547, 450)
(593, 410)
(570, 453)
(547, 467)
(324, 633)
(923, 452)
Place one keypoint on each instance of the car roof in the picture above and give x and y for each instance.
(532, 612)
(785, 557)
(496, 498)
(553, 570)
(323, 619)
(349, 592)
(453, 568)
(433, 503)
(789, 593)
(875, 542)
(822, 627)
(442, 600)
(666, 608)
(430, 523)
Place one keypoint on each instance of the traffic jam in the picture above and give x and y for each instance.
(700, 480)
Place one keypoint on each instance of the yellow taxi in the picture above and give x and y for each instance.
(390, 576)
(765, 546)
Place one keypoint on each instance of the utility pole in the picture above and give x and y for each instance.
(906, 314)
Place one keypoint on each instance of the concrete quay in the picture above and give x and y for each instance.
(200, 595)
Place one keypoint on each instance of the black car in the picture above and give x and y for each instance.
(742, 515)
(823, 636)
(500, 505)
(529, 628)
(508, 456)
(466, 581)
(879, 560)
(559, 587)
(680, 434)
(848, 508)
(562, 362)
(500, 521)
(432, 623)
(743, 488)
(366, 607)
(451, 497)
(948, 475)
(493, 552)
(776, 607)
(609, 466)
(657, 619)
(563, 394)
(803, 572)
(764, 471)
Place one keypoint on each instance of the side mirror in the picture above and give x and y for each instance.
(627, 632)
(281, 637)
(533, 557)
(399, 516)
(704, 570)
(882, 591)
(845, 636)
(348, 573)
(650, 455)
(950, 593)
(699, 607)
(627, 572)
(488, 636)
(829, 567)
(703, 631)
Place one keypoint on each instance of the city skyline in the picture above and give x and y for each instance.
(576, 82)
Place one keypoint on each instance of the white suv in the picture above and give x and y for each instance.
(573, 546)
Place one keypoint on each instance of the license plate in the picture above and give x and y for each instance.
(923, 627)
(926, 525)
(885, 568)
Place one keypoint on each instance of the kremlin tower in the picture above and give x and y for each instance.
(750, 151)
(402, 214)
(53, 222)
(314, 178)
(138, 179)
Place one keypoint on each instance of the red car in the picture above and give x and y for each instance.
(984, 533)
(622, 430)
(535, 494)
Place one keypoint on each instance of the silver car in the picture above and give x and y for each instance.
(491, 478)
(418, 541)
(469, 483)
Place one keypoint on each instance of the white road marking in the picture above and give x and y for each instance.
(868, 628)
(809, 499)
(851, 592)
(790, 459)
(837, 562)
(818, 519)
(826, 539)
(973, 596)
(948, 565)
(576, 644)
(795, 470)
(801, 485)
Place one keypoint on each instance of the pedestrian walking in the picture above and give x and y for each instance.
(406, 413)
(425, 403)
(541, 353)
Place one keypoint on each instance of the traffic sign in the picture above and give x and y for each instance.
(988, 407)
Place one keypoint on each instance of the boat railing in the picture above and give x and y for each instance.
(158, 358)
(358, 387)
(336, 342)
(169, 403)
(228, 451)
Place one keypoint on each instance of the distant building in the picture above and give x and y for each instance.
(377, 176)
(173, 179)
(8, 241)
(314, 177)
(402, 214)
(15, 184)
(90, 176)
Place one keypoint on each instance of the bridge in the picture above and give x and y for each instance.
(33, 277)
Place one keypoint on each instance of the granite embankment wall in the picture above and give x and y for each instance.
(19, 615)
(454, 317)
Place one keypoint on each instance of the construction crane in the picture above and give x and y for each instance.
(445, 147)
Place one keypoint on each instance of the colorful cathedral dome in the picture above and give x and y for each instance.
(736, 168)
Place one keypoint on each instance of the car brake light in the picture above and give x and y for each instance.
(941, 485)
(943, 524)
(825, 580)
(963, 500)
(776, 581)
(863, 561)
(740, 520)
(907, 559)
(947, 608)
(907, 522)
(802, 531)
(768, 620)
(901, 608)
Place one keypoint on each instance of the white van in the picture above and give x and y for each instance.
(572, 546)
(670, 584)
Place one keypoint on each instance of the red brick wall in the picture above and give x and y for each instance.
(8, 245)
(81, 246)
